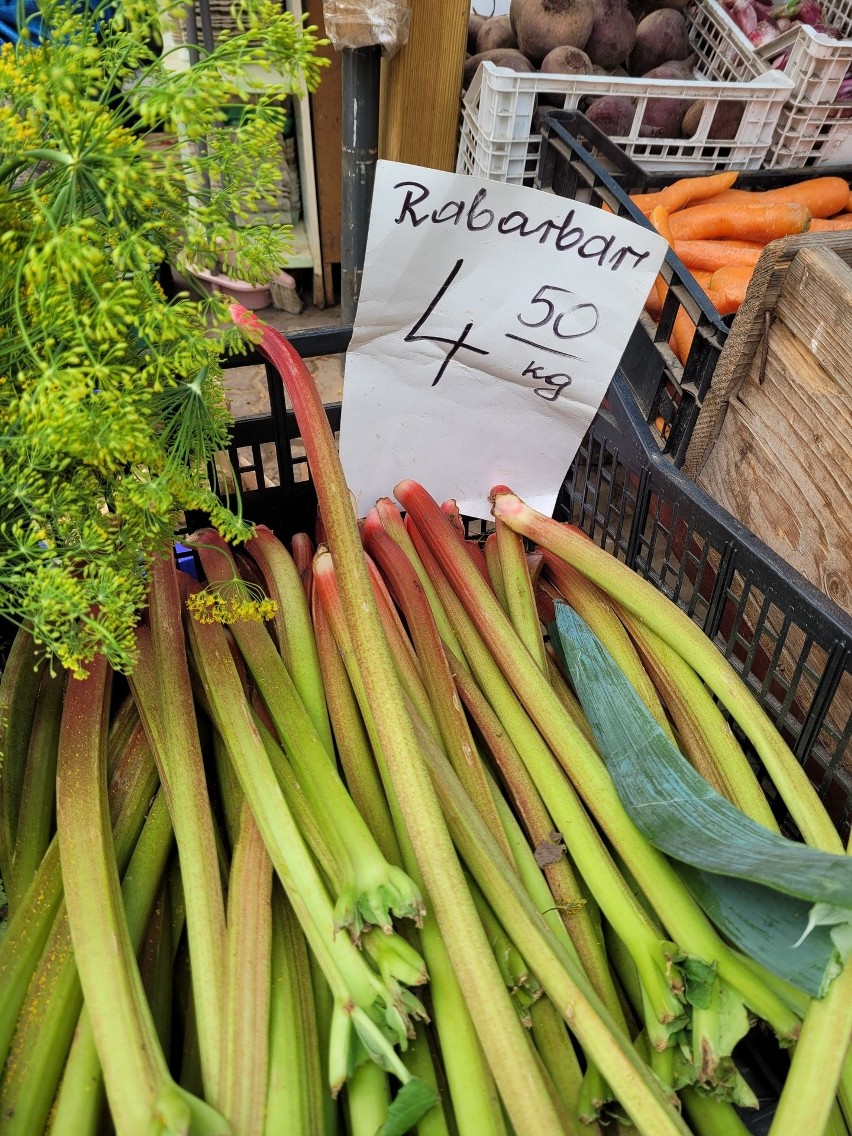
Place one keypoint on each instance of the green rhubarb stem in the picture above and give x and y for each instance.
(353, 744)
(676, 628)
(372, 888)
(295, 1095)
(592, 605)
(367, 1100)
(38, 790)
(514, 970)
(230, 789)
(581, 837)
(557, 1053)
(706, 738)
(676, 908)
(476, 1105)
(54, 999)
(710, 1117)
(302, 548)
(155, 967)
(80, 1098)
(293, 626)
(352, 982)
(563, 981)
(452, 723)
(131, 772)
(520, 598)
(19, 686)
(495, 571)
(564, 893)
(245, 1053)
(393, 525)
(419, 1061)
(141, 1094)
(163, 692)
(324, 1003)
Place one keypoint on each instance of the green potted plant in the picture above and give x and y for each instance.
(111, 404)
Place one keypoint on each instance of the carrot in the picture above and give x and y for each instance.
(824, 196)
(835, 225)
(683, 331)
(728, 286)
(652, 304)
(680, 193)
(848, 205)
(710, 255)
(750, 221)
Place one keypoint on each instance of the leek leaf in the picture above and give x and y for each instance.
(737, 867)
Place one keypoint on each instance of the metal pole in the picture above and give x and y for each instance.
(360, 83)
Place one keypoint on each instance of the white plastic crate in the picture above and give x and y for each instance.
(812, 130)
(499, 141)
(817, 63)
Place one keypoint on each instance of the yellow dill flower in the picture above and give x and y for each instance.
(231, 601)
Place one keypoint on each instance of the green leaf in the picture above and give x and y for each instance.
(741, 866)
(699, 977)
(410, 1105)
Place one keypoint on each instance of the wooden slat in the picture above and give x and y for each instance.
(326, 115)
(422, 86)
(815, 303)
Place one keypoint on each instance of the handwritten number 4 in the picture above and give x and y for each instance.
(453, 345)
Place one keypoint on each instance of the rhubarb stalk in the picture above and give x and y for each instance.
(525, 1097)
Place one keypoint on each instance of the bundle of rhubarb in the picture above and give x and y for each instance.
(719, 233)
(405, 833)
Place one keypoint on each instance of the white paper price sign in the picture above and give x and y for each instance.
(490, 322)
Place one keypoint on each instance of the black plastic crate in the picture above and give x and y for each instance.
(792, 644)
(580, 162)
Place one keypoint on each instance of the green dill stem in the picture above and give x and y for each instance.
(594, 607)
(495, 571)
(367, 1100)
(705, 735)
(676, 628)
(295, 1097)
(293, 625)
(347, 973)
(520, 599)
(38, 790)
(369, 884)
(476, 1105)
(19, 687)
(581, 837)
(452, 723)
(80, 1097)
(54, 998)
(163, 692)
(563, 981)
(676, 908)
(353, 745)
(540, 827)
(245, 1053)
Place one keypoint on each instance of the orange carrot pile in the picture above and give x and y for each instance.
(719, 233)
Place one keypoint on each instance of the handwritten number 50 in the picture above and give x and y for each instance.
(555, 317)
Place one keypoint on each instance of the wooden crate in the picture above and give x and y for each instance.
(774, 443)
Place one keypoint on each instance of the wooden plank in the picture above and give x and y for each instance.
(815, 303)
(326, 118)
(422, 87)
(783, 464)
(307, 177)
(746, 337)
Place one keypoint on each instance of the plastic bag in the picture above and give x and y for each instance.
(363, 23)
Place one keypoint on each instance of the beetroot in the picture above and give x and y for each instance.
(494, 33)
(613, 114)
(682, 69)
(500, 57)
(613, 33)
(726, 120)
(663, 118)
(541, 25)
(661, 37)
(566, 61)
(473, 25)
